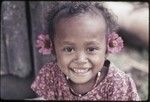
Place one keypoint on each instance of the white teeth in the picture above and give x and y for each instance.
(80, 70)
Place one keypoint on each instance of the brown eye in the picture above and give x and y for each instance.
(91, 49)
(68, 49)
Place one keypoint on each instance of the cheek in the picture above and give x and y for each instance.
(62, 63)
(63, 60)
(98, 61)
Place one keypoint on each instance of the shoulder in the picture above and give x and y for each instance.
(123, 85)
(47, 71)
(117, 75)
(47, 67)
(44, 80)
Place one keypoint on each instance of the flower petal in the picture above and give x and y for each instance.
(114, 43)
(44, 44)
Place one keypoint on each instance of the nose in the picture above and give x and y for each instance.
(81, 58)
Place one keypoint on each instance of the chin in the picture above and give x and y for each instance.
(79, 81)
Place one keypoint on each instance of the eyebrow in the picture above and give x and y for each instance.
(87, 43)
(68, 43)
(92, 43)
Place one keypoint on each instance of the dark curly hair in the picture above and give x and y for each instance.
(66, 9)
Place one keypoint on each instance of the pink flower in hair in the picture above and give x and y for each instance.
(114, 43)
(44, 44)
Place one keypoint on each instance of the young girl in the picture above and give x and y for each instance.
(82, 34)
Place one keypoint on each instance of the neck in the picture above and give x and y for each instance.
(82, 88)
(86, 87)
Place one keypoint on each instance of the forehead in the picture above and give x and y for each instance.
(83, 25)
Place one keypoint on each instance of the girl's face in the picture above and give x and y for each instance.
(80, 46)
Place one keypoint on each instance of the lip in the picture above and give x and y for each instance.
(80, 70)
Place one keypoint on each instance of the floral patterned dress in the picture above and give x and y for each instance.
(51, 84)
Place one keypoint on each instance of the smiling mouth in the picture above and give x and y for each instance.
(80, 71)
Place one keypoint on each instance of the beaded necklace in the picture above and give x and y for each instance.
(79, 95)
